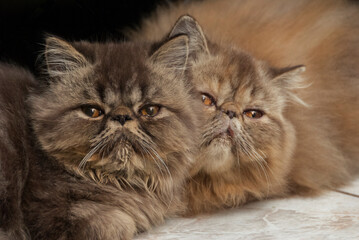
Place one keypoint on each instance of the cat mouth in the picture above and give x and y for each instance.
(226, 135)
(121, 150)
(116, 147)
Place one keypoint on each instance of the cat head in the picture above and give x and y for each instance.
(113, 112)
(244, 102)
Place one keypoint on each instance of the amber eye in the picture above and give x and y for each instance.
(254, 114)
(150, 110)
(92, 112)
(208, 100)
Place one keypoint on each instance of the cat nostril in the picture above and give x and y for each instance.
(122, 119)
(231, 114)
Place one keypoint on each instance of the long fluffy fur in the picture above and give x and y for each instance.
(324, 36)
(14, 150)
(65, 175)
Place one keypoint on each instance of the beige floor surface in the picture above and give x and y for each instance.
(333, 215)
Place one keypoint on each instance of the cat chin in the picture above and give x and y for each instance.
(218, 156)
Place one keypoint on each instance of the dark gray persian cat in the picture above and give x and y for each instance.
(99, 148)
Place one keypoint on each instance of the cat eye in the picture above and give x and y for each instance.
(150, 110)
(208, 100)
(92, 112)
(254, 114)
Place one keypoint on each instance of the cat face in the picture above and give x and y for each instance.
(244, 104)
(113, 112)
(244, 101)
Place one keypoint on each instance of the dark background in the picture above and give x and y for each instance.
(24, 23)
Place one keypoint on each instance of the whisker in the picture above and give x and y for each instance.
(168, 171)
(152, 151)
(90, 154)
(144, 137)
(246, 144)
(149, 153)
(211, 128)
(158, 156)
(259, 160)
(148, 146)
(161, 160)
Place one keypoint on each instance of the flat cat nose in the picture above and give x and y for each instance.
(231, 114)
(122, 119)
(230, 109)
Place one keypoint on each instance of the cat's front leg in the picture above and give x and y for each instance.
(96, 221)
(12, 226)
(15, 233)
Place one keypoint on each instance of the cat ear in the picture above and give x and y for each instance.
(62, 58)
(173, 54)
(289, 77)
(189, 26)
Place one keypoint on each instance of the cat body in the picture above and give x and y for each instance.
(102, 144)
(272, 130)
(15, 86)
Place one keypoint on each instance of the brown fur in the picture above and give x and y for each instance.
(14, 151)
(108, 177)
(301, 149)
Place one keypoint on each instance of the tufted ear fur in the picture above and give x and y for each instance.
(290, 78)
(189, 26)
(173, 54)
(62, 58)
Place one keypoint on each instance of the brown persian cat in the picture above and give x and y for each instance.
(270, 131)
(101, 146)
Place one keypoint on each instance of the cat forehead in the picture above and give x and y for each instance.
(232, 75)
(126, 86)
(122, 73)
(120, 61)
(224, 73)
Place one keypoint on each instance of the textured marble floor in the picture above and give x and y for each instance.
(333, 215)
